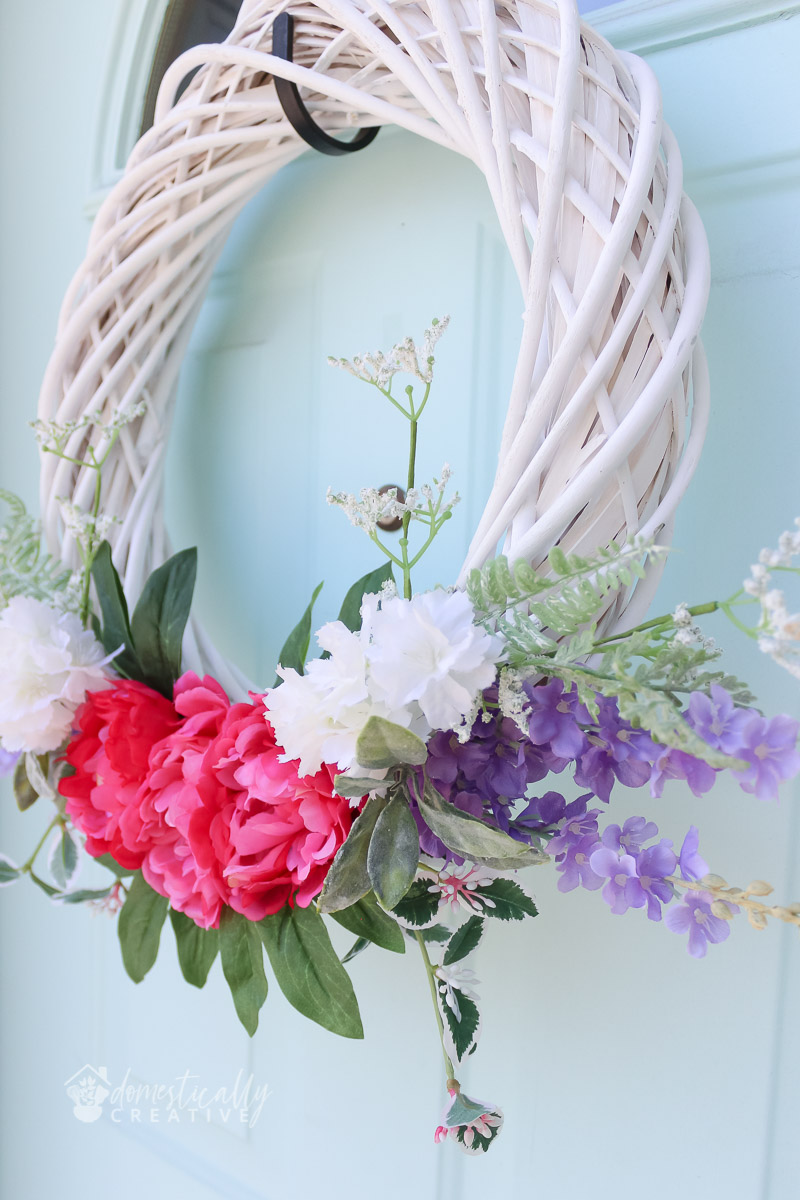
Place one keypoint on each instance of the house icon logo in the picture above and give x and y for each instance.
(87, 1089)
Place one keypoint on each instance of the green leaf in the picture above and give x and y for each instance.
(25, 793)
(464, 1110)
(295, 648)
(464, 1029)
(350, 612)
(243, 966)
(393, 854)
(308, 972)
(114, 610)
(159, 620)
(367, 919)
(463, 941)
(139, 927)
(510, 902)
(353, 788)
(348, 877)
(434, 933)
(111, 864)
(470, 838)
(9, 872)
(419, 905)
(63, 859)
(45, 887)
(382, 744)
(85, 894)
(358, 947)
(197, 948)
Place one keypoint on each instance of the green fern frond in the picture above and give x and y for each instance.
(25, 568)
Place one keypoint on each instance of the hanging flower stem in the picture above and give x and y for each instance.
(429, 968)
(27, 866)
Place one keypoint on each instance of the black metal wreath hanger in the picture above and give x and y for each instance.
(296, 112)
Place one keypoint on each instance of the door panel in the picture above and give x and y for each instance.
(615, 1056)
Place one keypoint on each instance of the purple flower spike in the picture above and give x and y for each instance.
(717, 719)
(631, 837)
(694, 916)
(623, 890)
(691, 864)
(554, 721)
(771, 749)
(677, 764)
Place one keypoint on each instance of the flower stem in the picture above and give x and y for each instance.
(448, 1065)
(28, 865)
(412, 459)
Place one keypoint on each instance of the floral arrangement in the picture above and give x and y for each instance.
(397, 782)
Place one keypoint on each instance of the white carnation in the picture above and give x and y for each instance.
(419, 663)
(427, 651)
(317, 717)
(49, 663)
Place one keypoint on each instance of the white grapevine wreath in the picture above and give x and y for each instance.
(586, 181)
(396, 782)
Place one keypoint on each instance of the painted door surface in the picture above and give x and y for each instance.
(623, 1066)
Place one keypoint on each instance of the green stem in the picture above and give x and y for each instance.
(412, 459)
(26, 866)
(90, 551)
(696, 610)
(448, 1065)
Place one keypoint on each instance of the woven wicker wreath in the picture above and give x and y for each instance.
(586, 179)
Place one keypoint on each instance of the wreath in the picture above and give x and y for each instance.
(399, 780)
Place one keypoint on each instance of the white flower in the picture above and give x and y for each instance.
(49, 663)
(317, 717)
(428, 652)
(458, 887)
(460, 977)
(682, 618)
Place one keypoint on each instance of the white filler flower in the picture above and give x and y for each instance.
(427, 651)
(49, 663)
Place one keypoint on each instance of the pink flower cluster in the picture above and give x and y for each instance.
(194, 793)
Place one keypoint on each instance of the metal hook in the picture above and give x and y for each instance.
(296, 112)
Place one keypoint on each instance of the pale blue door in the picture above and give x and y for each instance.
(622, 1065)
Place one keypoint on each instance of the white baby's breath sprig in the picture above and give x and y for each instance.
(778, 629)
(513, 702)
(87, 530)
(379, 367)
(54, 435)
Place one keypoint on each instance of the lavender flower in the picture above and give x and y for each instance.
(717, 719)
(622, 891)
(694, 916)
(616, 750)
(677, 764)
(631, 837)
(691, 864)
(636, 881)
(771, 749)
(554, 720)
(575, 866)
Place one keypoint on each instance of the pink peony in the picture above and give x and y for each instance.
(284, 829)
(195, 793)
(118, 729)
(178, 787)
